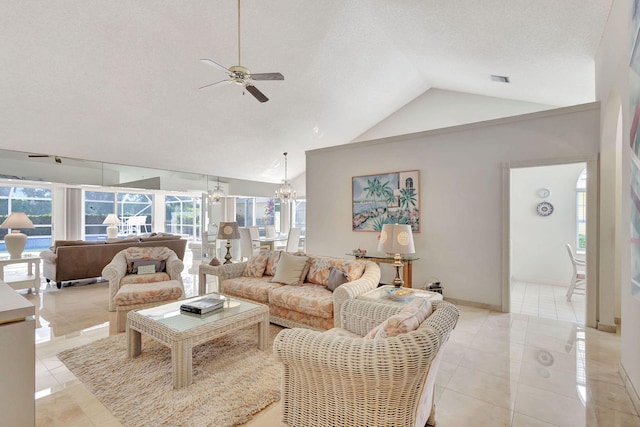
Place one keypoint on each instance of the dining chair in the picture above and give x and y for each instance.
(255, 235)
(579, 275)
(293, 240)
(247, 250)
(270, 230)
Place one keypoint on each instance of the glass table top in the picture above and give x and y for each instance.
(171, 316)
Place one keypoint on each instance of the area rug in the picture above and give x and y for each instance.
(232, 380)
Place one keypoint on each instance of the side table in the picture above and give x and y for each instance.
(380, 295)
(31, 280)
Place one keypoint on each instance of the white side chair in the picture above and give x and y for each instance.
(293, 240)
(579, 276)
(247, 250)
(255, 234)
(270, 230)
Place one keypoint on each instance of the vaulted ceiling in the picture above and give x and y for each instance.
(117, 80)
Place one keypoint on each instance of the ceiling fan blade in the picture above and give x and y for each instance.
(267, 76)
(255, 92)
(215, 65)
(214, 84)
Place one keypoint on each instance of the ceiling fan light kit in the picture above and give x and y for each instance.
(241, 75)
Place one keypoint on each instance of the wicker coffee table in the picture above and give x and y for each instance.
(181, 332)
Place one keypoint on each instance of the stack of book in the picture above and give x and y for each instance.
(203, 305)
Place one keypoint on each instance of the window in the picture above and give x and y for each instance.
(182, 215)
(36, 203)
(581, 212)
(98, 204)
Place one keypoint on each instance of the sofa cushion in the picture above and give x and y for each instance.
(291, 269)
(336, 278)
(59, 243)
(407, 320)
(251, 288)
(145, 293)
(274, 257)
(296, 318)
(320, 268)
(256, 265)
(313, 300)
(144, 278)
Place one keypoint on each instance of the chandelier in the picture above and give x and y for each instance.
(285, 193)
(217, 193)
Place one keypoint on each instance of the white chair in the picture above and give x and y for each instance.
(270, 230)
(293, 240)
(247, 250)
(579, 276)
(255, 235)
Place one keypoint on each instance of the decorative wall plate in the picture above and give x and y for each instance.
(544, 208)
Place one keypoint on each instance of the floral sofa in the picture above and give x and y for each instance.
(306, 301)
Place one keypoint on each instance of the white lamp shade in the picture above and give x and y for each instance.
(111, 219)
(396, 239)
(17, 220)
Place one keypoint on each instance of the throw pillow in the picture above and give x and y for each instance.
(292, 269)
(407, 320)
(336, 278)
(256, 265)
(132, 265)
(274, 257)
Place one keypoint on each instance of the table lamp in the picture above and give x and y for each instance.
(16, 241)
(112, 229)
(228, 230)
(396, 239)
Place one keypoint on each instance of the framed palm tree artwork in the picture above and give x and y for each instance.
(386, 198)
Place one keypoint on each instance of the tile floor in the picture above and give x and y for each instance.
(547, 301)
(499, 369)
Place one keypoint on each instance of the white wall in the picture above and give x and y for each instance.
(461, 238)
(438, 108)
(538, 253)
(612, 88)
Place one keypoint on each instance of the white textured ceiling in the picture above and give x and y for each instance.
(117, 80)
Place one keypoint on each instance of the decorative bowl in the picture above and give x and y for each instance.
(399, 294)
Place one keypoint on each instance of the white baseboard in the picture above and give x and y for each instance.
(540, 282)
(457, 301)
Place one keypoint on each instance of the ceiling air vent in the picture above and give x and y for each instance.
(500, 79)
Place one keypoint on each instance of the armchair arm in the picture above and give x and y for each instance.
(174, 266)
(49, 256)
(114, 272)
(360, 316)
(368, 282)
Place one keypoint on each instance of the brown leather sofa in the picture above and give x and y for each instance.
(77, 259)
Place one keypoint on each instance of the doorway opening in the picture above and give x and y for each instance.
(548, 207)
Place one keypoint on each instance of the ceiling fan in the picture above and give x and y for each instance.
(241, 75)
(57, 159)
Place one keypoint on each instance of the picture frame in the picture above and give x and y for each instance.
(385, 198)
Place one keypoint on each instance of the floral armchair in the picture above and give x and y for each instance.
(341, 378)
(123, 270)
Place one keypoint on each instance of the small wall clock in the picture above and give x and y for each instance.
(544, 209)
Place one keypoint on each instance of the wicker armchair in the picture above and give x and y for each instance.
(341, 379)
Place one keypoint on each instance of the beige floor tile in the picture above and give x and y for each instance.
(489, 388)
(492, 363)
(550, 407)
(520, 420)
(605, 417)
(612, 396)
(456, 410)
